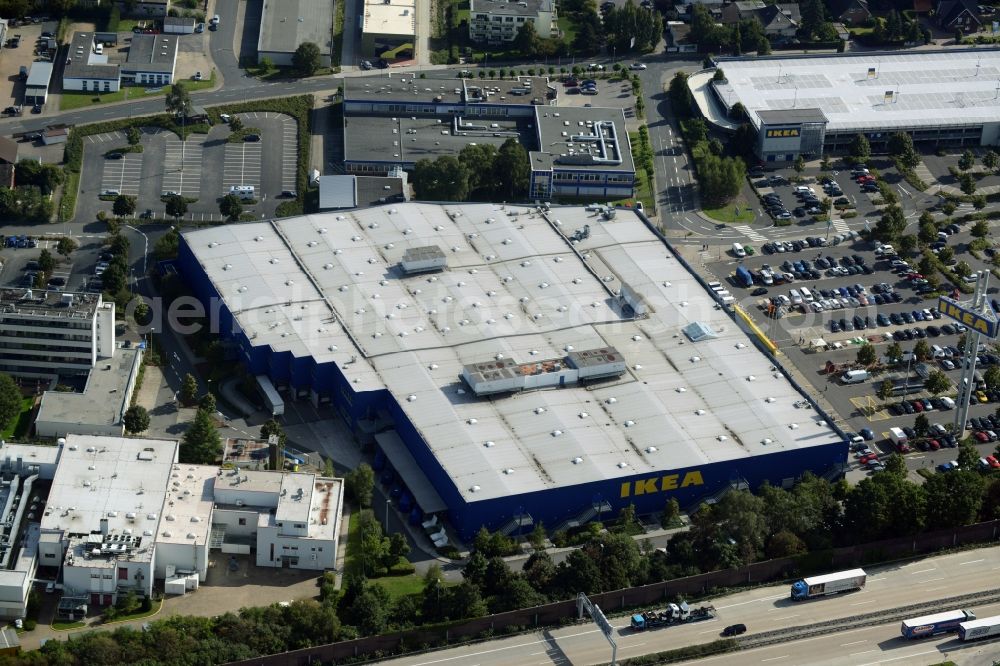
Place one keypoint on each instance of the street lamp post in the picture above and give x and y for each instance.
(145, 246)
(387, 503)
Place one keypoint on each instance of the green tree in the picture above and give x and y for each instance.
(625, 23)
(201, 444)
(46, 262)
(235, 124)
(922, 350)
(66, 245)
(189, 389)
(991, 159)
(671, 514)
(968, 457)
(516, 594)
(136, 419)
(681, 99)
(133, 136)
(272, 427)
(785, 543)
(895, 464)
(967, 183)
(512, 162)
(966, 161)
(306, 58)
(207, 402)
(359, 484)
(928, 232)
(861, 149)
(178, 100)
(123, 206)
(890, 225)
(885, 390)
(443, 179)
(526, 40)
(907, 243)
(992, 377)
(537, 536)
(953, 499)
(113, 278)
(800, 164)
(900, 146)
(937, 382)
(231, 207)
(963, 269)
(981, 229)
(370, 610)
(921, 425)
(176, 206)
(866, 354)
(480, 162)
(167, 245)
(10, 400)
(813, 15)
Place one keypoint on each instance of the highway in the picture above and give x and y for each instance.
(766, 609)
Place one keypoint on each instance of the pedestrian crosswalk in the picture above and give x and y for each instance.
(841, 226)
(750, 233)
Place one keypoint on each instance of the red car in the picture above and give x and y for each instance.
(914, 276)
(917, 406)
(934, 444)
(992, 462)
(981, 436)
(903, 447)
(871, 457)
(865, 178)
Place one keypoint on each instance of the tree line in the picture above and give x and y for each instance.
(480, 171)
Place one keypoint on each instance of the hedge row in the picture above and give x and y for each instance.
(299, 108)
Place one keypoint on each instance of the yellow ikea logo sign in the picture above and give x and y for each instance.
(973, 320)
(660, 484)
(782, 133)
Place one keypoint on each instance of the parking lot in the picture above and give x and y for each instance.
(202, 169)
(71, 274)
(850, 304)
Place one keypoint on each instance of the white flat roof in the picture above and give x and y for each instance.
(187, 505)
(514, 286)
(940, 87)
(118, 478)
(396, 17)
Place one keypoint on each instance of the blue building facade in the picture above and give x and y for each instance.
(302, 377)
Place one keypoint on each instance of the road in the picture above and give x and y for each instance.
(763, 609)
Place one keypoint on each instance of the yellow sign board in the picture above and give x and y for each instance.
(661, 484)
(775, 133)
(977, 322)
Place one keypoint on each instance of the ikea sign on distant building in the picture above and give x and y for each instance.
(782, 133)
(981, 323)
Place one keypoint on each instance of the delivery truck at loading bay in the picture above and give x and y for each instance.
(827, 584)
(938, 623)
(984, 628)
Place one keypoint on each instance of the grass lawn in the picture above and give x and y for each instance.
(78, 100)
(19, 426)
(568, 28)
(64, 626)
(643, 193)
(727, 213)
(153, 610)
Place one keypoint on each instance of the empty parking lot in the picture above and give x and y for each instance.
(182, 165)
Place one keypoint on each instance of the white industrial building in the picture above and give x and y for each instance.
(805, 104)
(86, 69)
(122, 514)
(49, 333)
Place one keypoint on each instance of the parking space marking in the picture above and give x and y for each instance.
(182, 166)
(289, 154)
(242, 166)
(123, 175)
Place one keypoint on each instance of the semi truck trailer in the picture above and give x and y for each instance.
(938, 623)
(984, 628)
(827, 584)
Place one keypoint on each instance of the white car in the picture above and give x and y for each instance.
(637, 66)
(215, 20)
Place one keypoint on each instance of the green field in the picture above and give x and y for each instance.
(396, 586)
(728, 213)
(19, 427)
(78, 100)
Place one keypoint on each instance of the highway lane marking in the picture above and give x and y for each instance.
(629, 647)
(508, 647)
(743, 603)
(931, 580)
(905, 656)
(932, 589)
(962, 564)
(861, 603)
(872, 580)
(786, 617)
(855, 654)
(852, 643)
(913, 573)
(784, 656)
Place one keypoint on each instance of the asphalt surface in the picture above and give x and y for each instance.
(767, 609)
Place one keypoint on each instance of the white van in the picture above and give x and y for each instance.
(99, 48)
(854, 376)
(795, 296)
(738, 251)
(937, 351)
(242, 191)
(806, 294)
(948, 403)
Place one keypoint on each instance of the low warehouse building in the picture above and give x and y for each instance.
(285, 24)
(502, 378)
(389, 29)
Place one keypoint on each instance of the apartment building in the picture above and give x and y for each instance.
(497, 21)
